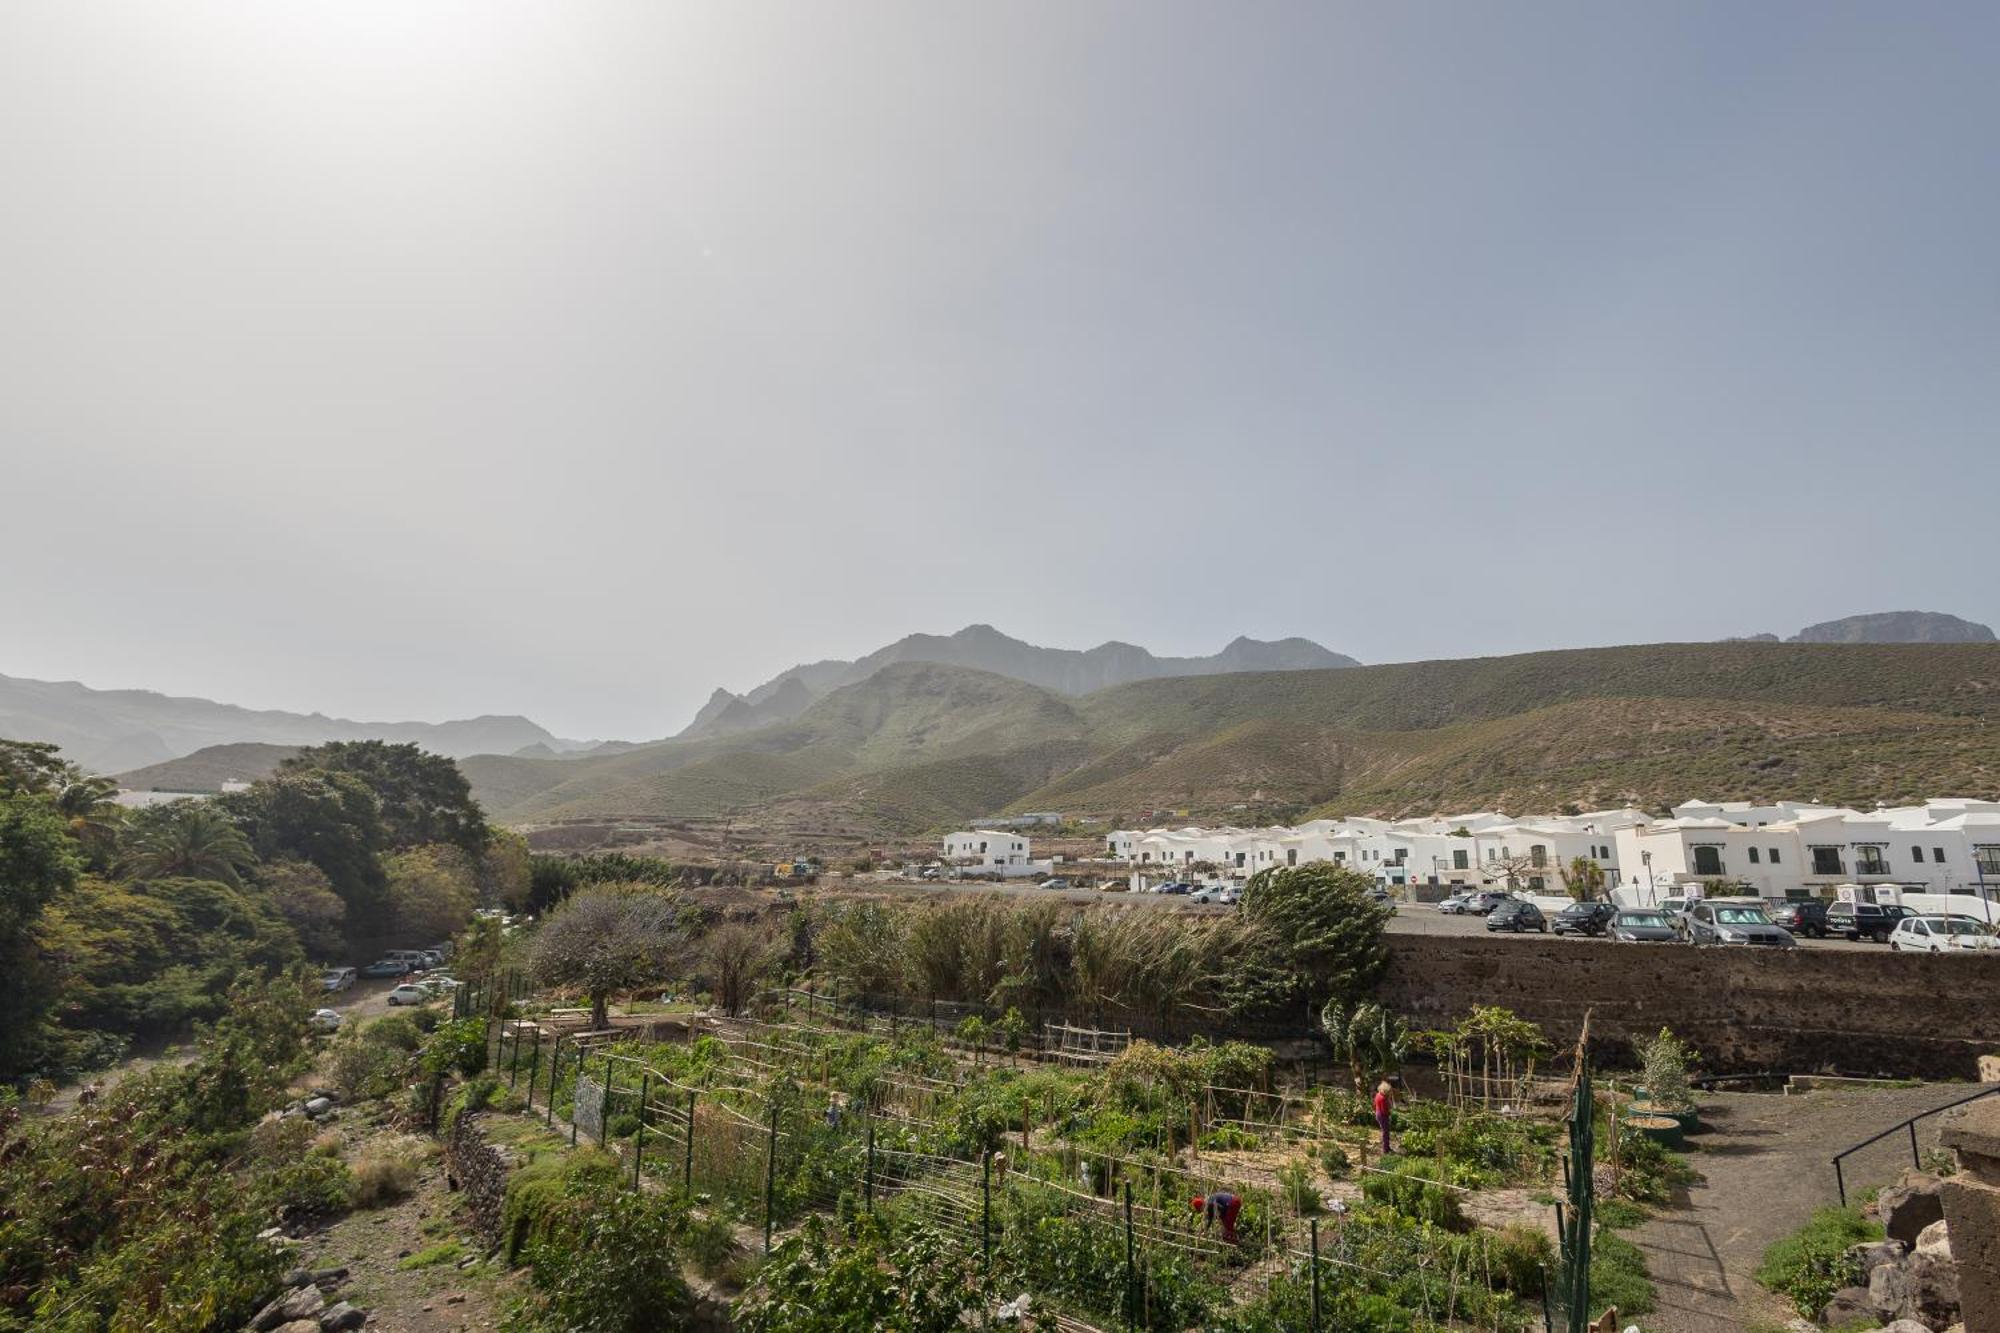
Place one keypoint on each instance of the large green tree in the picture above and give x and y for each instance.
(612, 938)
(432, 891)
(38, 860)
(423, 797)
(1324, 935)
(333, 821)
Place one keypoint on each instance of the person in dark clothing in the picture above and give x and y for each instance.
(1219, 1207)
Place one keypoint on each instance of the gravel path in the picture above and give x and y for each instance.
(1764, 1160)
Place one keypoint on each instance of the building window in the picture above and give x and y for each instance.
(1460, 859)
(1987, 860)
(1774, 856)
(1538, 856)
(1753, 856)
(1536, 884)
(1870, 861)
(1918, 853)
(1708, 861)
(1826, 861)
(1937, 855)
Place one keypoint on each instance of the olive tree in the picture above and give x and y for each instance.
(736, 957)
(611, 938)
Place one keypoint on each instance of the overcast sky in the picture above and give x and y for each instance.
(409, 360)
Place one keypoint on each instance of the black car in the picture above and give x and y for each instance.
(1871, 921)
(1801, 916)
(1583, 918)
(1517, 914)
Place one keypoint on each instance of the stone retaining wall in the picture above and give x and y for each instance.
(1746, 1009)
(478, 1170)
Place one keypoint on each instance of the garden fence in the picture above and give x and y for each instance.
(762, 1136)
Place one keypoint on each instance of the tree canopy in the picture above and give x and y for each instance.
(423, 798)
(611, 938)
(1324, 934)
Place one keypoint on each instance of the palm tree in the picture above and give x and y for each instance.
(190, 838)
(86, 804)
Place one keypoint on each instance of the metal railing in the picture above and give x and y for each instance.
(1916, 1153)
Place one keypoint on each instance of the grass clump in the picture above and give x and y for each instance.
(387, 1170)
(1811, 1264)
(445, 1252)
(1618, 1276)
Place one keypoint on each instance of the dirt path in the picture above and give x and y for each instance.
(1764, 1160)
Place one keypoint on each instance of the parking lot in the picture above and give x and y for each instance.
(1425, 919)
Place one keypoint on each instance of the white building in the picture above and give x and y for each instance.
(986, 850)
(1779, 849)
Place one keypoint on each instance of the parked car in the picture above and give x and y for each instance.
(386, 967)
(1873, 921)
(409, 993)
(1055, 882)
(1943, 934)
(416, 958)
(1583, 918)
(338, 978)
(1208, 893)
(1456, 904)
(1230, 895)
(1801, 916)
(1517, 915)
(1642, 925)
(1176, 887)
(1724, 922)
(324, 1020)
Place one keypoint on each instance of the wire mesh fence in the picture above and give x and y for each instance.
(765, 1123)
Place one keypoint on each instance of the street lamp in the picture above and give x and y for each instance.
(1652, 898)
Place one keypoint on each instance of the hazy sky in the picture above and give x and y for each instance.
(421, 360)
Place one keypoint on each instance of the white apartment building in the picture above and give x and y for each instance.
(1787, 848)
(985, 849)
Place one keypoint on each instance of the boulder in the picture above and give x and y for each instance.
(1850, 1305)
(1870, 1255)
(1910, 1205)
(1907, 1326)
(1921, 1288)
(1989, 1069)
(298, 1326)
(298, 1277)
(270, 1316)
(337, 1318)
(1935, 1240)
(305, 1303)
(318, 1107)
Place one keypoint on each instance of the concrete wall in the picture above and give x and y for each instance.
(1801, 1010)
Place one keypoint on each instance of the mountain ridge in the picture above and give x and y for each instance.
(981, 647)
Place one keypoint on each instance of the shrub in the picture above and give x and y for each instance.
(611, 1265)
(536, 1192)
(1416, 1189)
(478, 1094)
(623, 1125)
(1334, 1162)
(1618, 1276)
(1228, 1138)
(387, 1170)
(1295, 1182)
(710, 1243)
(397, 1030)
(426, 1018)
(314, 1186)
(458, 1048)
(1521, 1255)
(365, 1069)
(903, 1279)
(1809, 1265)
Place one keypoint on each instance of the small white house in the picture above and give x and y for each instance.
(986, 849)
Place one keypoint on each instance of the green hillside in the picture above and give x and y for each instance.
(920, 745)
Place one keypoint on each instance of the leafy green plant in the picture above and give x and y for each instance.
(1298, 1187)
(901, 1279)
(1809, 1265)
(1618, 1276)
(1416, 1190)
(609, 1263)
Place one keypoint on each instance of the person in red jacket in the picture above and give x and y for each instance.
(1222, 1206)
(1385, 1102)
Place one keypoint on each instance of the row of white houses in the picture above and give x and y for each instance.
(1950, 845)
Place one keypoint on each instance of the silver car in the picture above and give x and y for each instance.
(1733, 923)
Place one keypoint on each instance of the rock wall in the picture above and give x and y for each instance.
(478, 1170)
(1801, 1010)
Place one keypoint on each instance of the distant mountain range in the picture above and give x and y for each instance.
(982, 648)
(1889, 627)
(110, 731)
